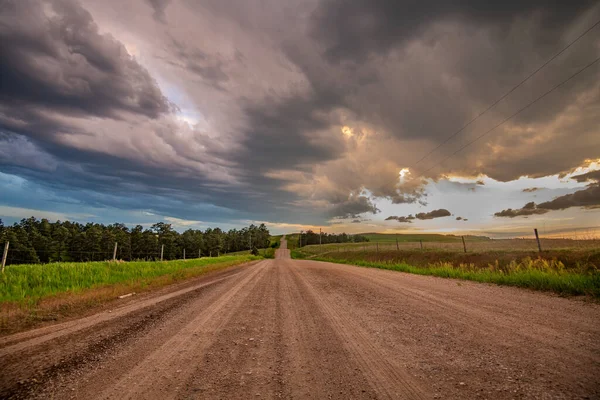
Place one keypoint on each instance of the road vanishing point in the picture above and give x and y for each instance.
(300, 329)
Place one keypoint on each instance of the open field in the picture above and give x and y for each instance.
(425, 237)
(573, 270)
(473, 245)
(285, 328)
(30, 293)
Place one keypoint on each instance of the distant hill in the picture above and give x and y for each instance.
(391, 237)
(426, 237)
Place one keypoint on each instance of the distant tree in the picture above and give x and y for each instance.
(33, 241)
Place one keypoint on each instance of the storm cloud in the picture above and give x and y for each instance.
(290, 111)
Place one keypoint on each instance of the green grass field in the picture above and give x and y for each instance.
(32, 283)
(574, 271)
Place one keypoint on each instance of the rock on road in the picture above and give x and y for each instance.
(285, 328)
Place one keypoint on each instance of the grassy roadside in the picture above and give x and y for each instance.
(31, 294)
(547, 274)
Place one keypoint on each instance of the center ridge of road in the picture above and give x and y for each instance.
(285, 328)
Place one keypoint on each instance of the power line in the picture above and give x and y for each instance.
(507, 93)
(515, 114)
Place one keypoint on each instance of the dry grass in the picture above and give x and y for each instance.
(571, 271)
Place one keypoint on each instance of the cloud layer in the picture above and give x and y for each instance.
(297, 111)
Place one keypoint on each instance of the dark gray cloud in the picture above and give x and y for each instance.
(353, 30)
(588, 197)
(531, 190)
(159, 7)
(528, 209)
(589, 176)
(404, 220)
(461, 219)
(434, 214)
(191, 59)
(352, 207)
(440, 213)
(63, 63)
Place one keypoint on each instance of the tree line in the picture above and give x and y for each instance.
(41, 241)
(310, 237)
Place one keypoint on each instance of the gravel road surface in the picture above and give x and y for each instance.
(286, 328)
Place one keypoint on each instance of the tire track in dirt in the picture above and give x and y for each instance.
(465, 311)
(387, 377)
(486, 352)
(164, 370)
(50, 360)
(244, 358)
(317, 363)
(15, 342)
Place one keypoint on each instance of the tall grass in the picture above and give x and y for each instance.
(538, 274)
(32, 282)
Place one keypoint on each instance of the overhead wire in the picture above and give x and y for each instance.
(453, 135)
(514, 114)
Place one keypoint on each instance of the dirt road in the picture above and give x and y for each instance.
(301, 329)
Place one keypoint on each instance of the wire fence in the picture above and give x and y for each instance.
(32, 256)
(500, 245)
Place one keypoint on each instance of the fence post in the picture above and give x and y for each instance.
(4, 255)
(115, 252)
(464, 244)
(397, 247)
(162, 249)
(199, 253)
(537, 237)
(420, 241)
(184, 254)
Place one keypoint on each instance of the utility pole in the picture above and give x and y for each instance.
(4, 255)
(115, 252)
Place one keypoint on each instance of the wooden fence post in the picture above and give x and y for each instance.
(537, 237)
(115, 252)
(183, 254)
(200, 253)
(162, 249)
(4, 255)
(420, 241)
(397, 247)
(464, 244)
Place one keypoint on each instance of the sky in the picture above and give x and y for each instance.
(302, 114)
